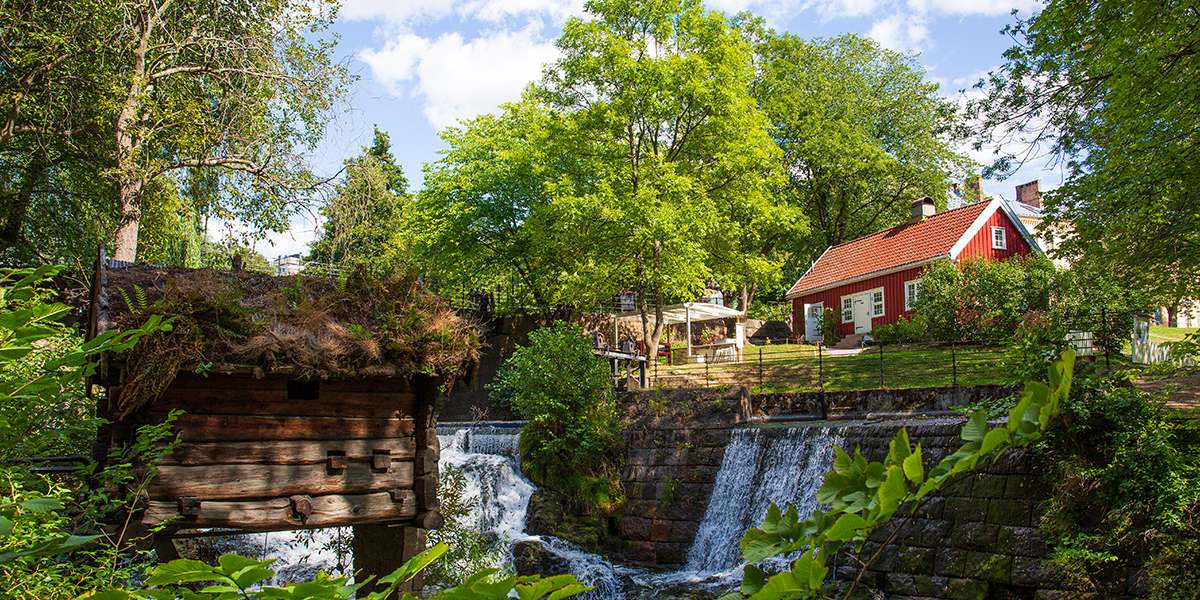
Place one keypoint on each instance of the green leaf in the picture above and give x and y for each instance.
(846, 527)
(753, 580)
(182, 570)
(414, 565)
(913, 468)
(6, 526)
(976, 427)
(993, 440)
(892, 492)
(899, 448)
(41, 505)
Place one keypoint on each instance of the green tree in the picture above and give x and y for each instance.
(139, 90)
(364, 214)
(678, 151)
(863, 134)
(1107, 90)
(572, 444)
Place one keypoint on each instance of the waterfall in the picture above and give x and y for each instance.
(760, 466)
(785, 465)
(500, 495)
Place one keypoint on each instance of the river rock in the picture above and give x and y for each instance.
(532, 557)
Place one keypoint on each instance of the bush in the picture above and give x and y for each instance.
(1126, 491)
(828, 326)
(572, 444)
(906, 330)
(981, 300)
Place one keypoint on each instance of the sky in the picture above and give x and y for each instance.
(421, 65)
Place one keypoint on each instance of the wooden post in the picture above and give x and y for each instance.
(381, 549)
(687, 315)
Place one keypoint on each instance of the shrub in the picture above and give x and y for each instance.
(1126, 491)
(572, 444)
(828, 326)
(905, 330)
(981, 300)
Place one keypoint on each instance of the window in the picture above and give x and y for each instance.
(912, 289)
(847, 309)
(999, 241)
(877, 303)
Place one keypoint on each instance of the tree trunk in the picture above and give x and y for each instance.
(15, 221)
(129, 182)
(1173, 314)
(125, 245)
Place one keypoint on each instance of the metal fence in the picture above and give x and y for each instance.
(788, 367)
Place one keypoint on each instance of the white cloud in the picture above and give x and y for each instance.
(459, 78)
(900, 32)
(395, 11)
(974, 7)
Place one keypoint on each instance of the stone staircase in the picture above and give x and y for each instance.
(850, 342)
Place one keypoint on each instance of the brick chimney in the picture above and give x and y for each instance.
(1028, 193)
(923, 209)
(977, 188)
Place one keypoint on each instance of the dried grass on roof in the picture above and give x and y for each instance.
(314, 328)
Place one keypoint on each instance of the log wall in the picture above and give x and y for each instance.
(256, 455)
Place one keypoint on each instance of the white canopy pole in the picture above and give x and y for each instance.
(687, 312)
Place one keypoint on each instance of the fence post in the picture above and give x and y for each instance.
(881, 365)
(821, 366)
(953, 363)
(655, 369)
(760, 370)
(706, 372)
(1104, 339)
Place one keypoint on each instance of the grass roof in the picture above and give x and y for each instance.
(310, 327)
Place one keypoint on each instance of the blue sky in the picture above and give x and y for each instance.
(424, 64)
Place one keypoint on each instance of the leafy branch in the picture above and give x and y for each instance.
(863, 496)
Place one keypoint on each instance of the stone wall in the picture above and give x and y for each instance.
(863, 402)
(676, 440)
(978, 538)
(470, 402)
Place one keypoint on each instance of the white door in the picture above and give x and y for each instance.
(812, 321)
(862, 313)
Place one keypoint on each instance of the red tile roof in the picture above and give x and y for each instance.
(901, 245)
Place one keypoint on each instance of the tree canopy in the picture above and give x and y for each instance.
(863, 134)
(104, 100)
(1107, 90)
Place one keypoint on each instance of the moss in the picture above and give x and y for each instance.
(315, 328)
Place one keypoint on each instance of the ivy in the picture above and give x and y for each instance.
(863, 495)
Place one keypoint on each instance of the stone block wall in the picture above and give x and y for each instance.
(977, 538)
(676, 441)
(860, 403)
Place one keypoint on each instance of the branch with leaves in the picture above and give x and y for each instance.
(863, 496)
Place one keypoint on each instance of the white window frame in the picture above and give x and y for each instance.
(882, 308)
(912, 290)
(999, 243)
(848, 311)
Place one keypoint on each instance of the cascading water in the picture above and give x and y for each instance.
(784, 465)
(761, 465)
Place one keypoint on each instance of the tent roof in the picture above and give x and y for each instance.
(679, 313)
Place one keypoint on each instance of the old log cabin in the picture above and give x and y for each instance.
(306, 402)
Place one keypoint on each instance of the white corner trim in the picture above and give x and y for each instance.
(1016, 221)
(976, 226)
(789, 295)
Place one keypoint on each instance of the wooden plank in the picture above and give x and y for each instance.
(274, 402)
(277, 513)
(301, 452)
(279, 383)
(267, 481)
(245, 428)
(380, 549)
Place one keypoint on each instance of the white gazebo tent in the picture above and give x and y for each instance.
(693, 312)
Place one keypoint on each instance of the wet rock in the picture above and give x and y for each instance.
(532, 557)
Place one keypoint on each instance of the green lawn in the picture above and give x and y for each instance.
(794, 368)
(1159, 333)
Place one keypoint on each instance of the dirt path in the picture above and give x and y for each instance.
(1183, 390)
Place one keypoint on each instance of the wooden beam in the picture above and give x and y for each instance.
(246, 428)
(380, 549)
(267, 481)
(230, 399)
(280, 514)
(300, 452)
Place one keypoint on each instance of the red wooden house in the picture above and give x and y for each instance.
(874, 280)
